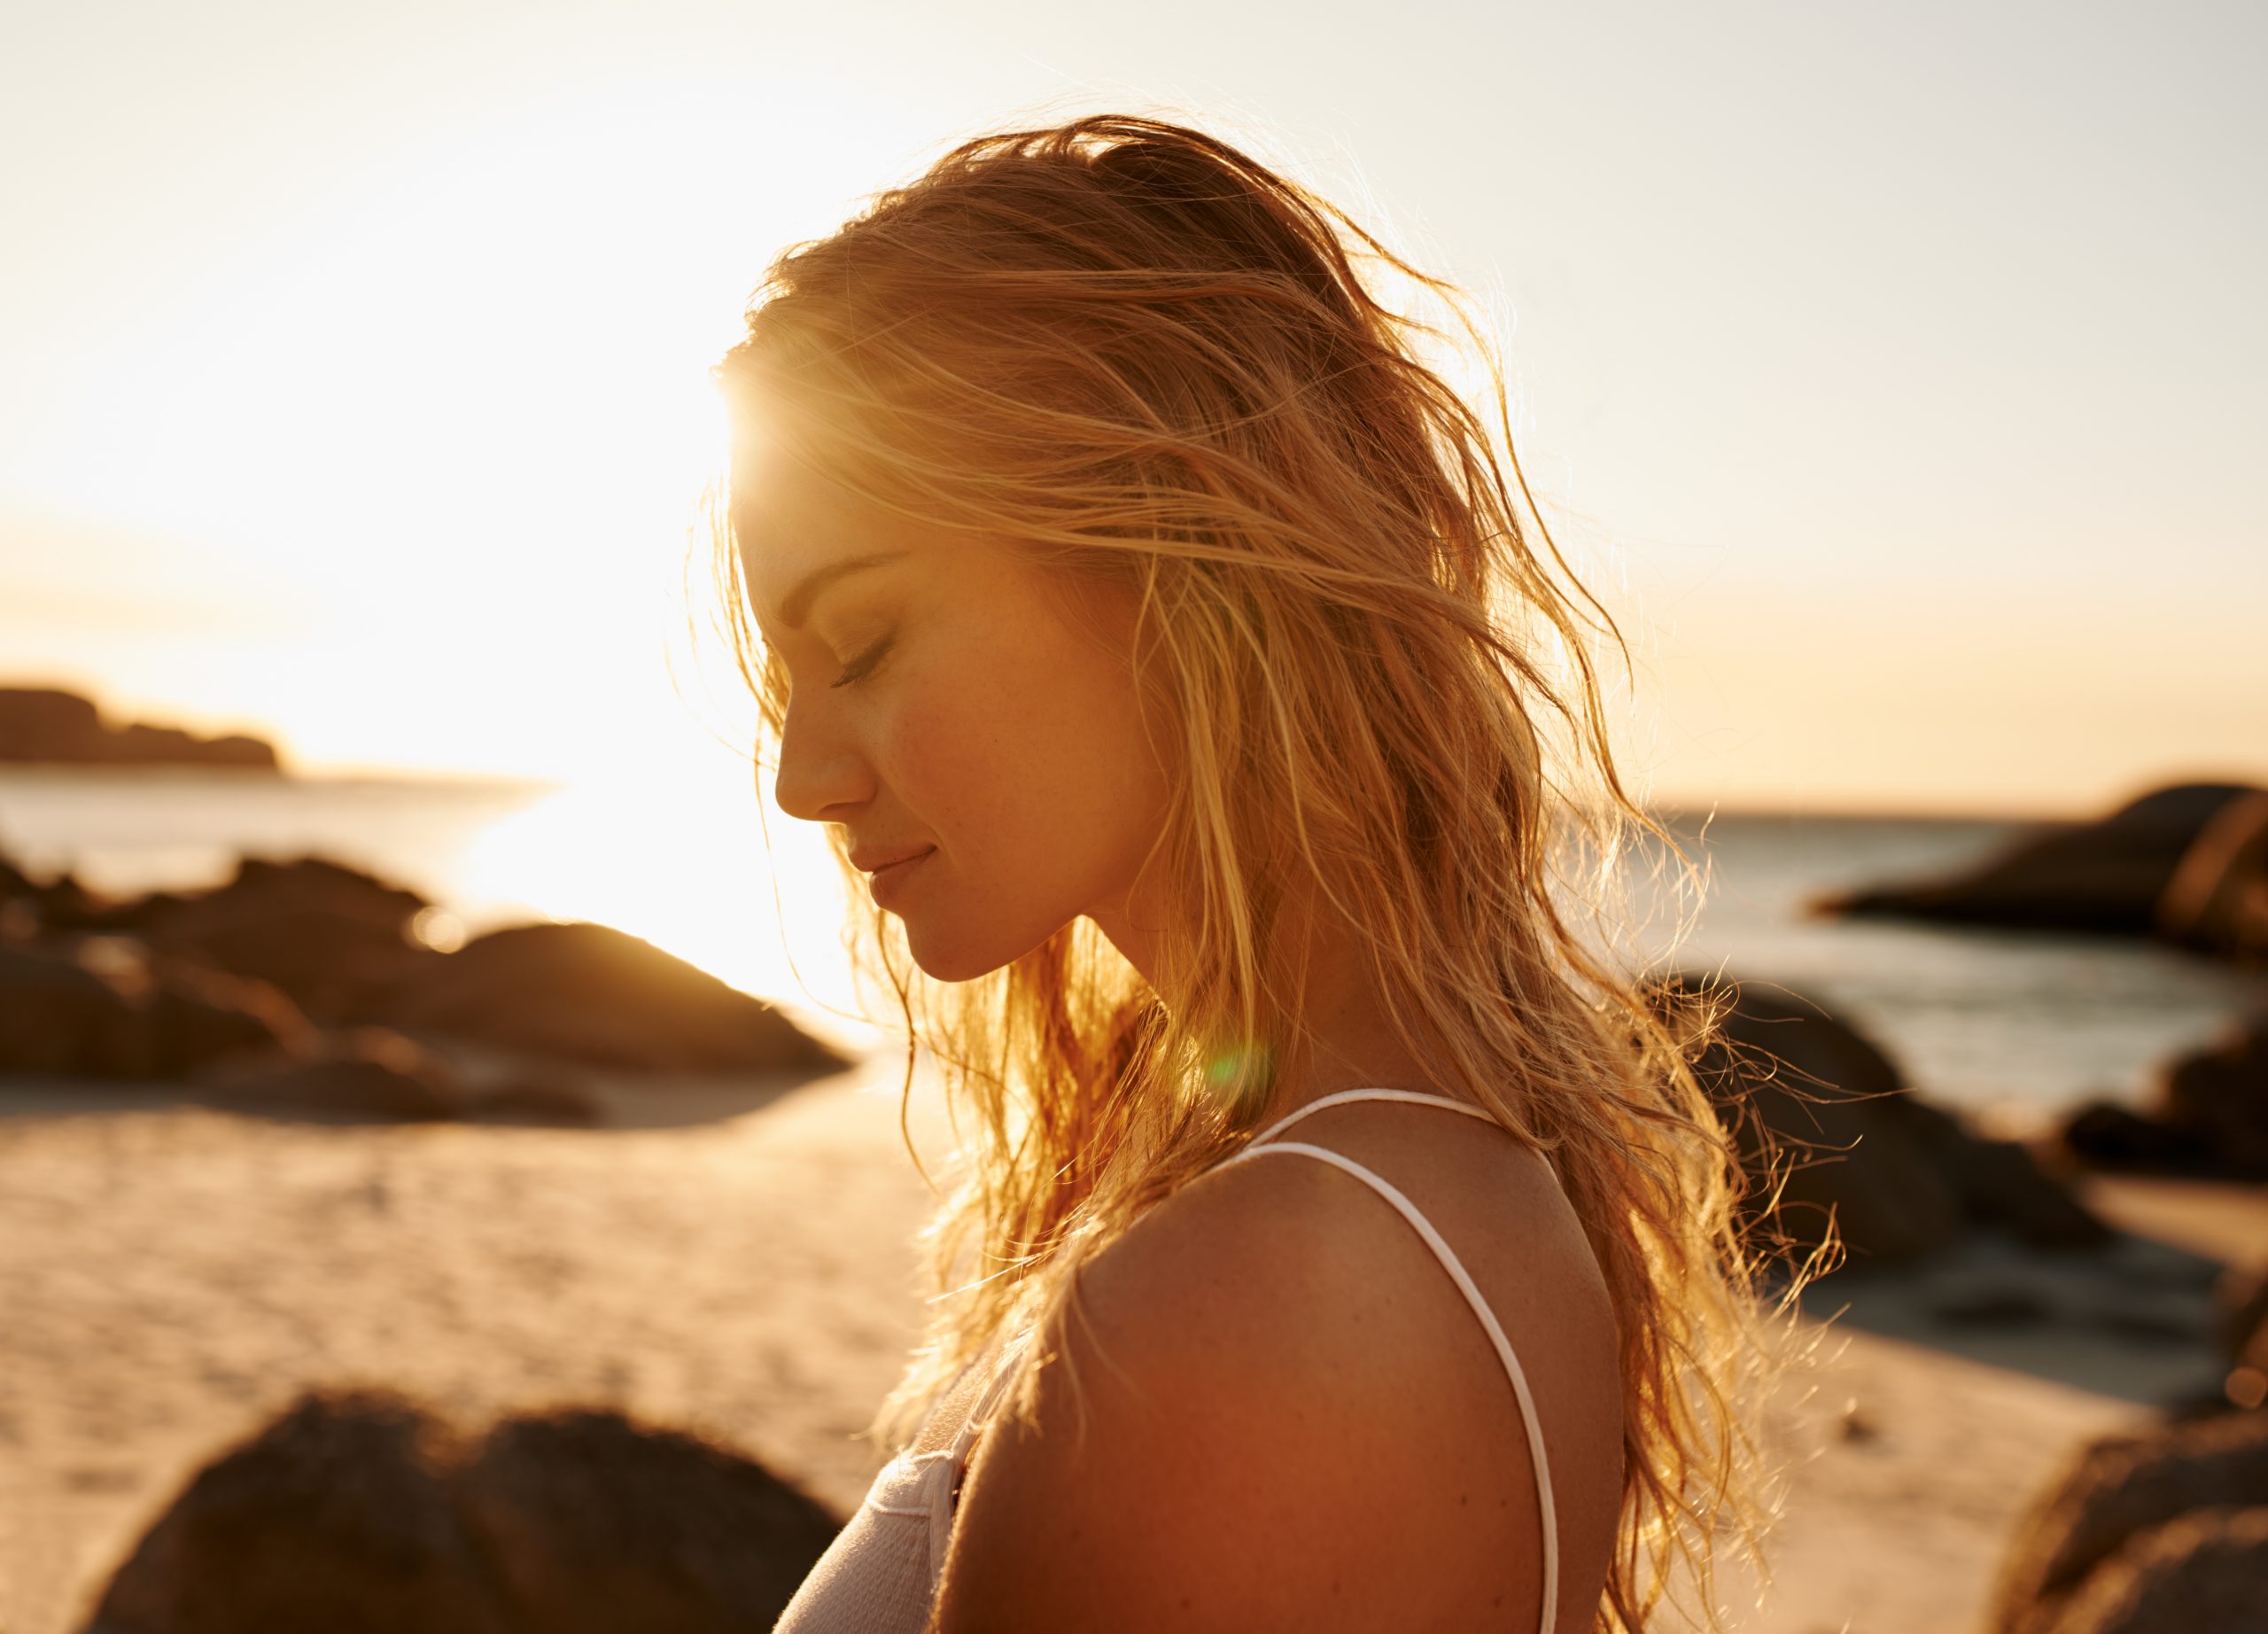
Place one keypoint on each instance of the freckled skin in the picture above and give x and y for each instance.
(997, 726)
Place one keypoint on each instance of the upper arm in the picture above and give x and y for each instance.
(1267, 1411)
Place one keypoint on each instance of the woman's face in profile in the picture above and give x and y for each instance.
(979, 743)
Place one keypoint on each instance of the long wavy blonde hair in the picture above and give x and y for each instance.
(1128, 350)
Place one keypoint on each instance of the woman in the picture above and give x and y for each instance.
(1342, 1246)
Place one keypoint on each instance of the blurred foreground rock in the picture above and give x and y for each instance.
(99, 1008)
(365, 1514)
(46, 724)
(2161, 1533)
(1823, 1118)
(2188, 862)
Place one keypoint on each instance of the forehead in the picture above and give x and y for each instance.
(790, 522)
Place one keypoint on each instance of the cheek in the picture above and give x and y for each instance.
(1029, 754)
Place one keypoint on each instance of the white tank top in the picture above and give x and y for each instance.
(881, 1574)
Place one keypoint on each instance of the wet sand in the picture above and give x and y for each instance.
(173, 1275)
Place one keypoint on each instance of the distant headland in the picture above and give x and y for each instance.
(47, 725)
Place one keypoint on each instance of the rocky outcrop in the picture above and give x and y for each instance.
(2108, 876)
(2205, 1115)
(100, 1010)
(159, 986)
(365, 1514)
(47, 725)
(2217, 900)
(2106, 1516)
(587, 993)
(1828, 1128)
(334, 938)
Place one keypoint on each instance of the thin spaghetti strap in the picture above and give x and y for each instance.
(1465, 1286)
(1411, 1097)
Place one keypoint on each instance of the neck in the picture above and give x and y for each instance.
(1331, 1031)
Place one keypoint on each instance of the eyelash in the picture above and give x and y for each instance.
(863, 666)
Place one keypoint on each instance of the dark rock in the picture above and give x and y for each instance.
(2217, 900)
(363, 1073)
(334, 938)
(52, 1012)
(197, 1016)
(97, 1011)
(1999, 1183)
(2118, 1488)
(1802, 1096)
(1825, 1126)
(2106, 1135)
(595, 1524)
(2207, 1571)
(2106, 876)
(60, 904)
(2207, 1116)
(45, 723)
(586, 993)
(2220, 1094)
(337, 1517)
(360, 1512)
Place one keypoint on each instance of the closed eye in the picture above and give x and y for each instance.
(863, 666)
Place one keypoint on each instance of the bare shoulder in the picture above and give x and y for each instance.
(1273, 1408)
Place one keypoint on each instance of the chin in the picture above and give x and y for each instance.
(961, 956)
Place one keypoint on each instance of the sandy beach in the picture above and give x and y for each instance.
(737, 1259)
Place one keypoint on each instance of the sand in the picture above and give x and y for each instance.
(171, 1275)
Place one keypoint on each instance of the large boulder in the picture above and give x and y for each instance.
(2205, 1115)
(336, 1517)
(2106, 876)
(334, 938)
(586, 993)
(2119, 1488)
(98, 1010)
(1825, 1127)
(362, 1513)
(595, 1524)
(2217, 899)
(2205, 1571)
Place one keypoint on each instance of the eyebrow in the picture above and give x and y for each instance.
(797, 607)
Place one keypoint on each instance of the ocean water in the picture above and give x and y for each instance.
(2012, 1027)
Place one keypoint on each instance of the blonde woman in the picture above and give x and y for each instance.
(1160, 639)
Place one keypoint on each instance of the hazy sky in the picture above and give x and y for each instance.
(1899, 370)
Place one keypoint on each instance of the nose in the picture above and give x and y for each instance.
(823, 774)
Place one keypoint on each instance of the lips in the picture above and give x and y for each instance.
(887, 870)
(875, 859)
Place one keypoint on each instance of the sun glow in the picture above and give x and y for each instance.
(684, 862)
(451, 421)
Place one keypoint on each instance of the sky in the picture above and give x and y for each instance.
(1898, 374)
